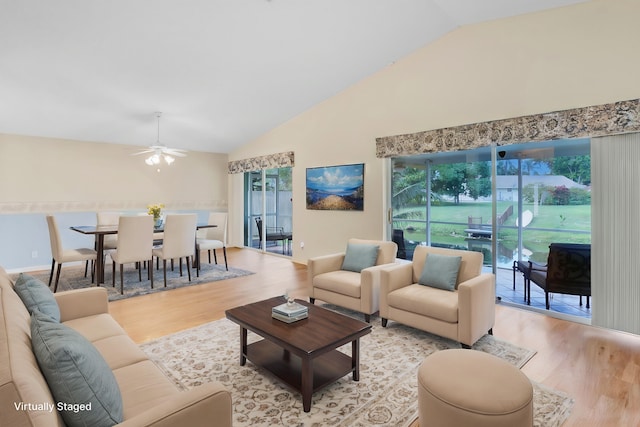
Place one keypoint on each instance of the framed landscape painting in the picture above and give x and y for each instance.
(336, 188)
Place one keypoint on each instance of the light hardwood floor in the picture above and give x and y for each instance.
(599, 368)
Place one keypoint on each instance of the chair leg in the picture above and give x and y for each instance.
(140, 271)
(384, 322)
(55, 288)
(312, 300)
(215, 257)
(53, 267)
(367, 318)
(122, 279)
(113, 274)
(188, 267)
(150, 272)
(86, 268)
(209, 254)
(546, 299)
(588, 301)
(180, 264)
(224, 251)
(164, 267)
(490, 331)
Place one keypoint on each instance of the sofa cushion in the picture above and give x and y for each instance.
(76, 373)
(36, 295)
(339, 281)
(426, 301)
(440, 271)
(359, 256)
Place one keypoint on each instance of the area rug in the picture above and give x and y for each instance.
(386, 394)
(73, 278)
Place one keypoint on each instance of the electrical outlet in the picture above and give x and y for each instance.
(302, 245)
(34, 254)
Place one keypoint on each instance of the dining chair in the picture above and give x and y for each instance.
(135, 245)
(213, 238)
(110, 240)
(179, 241)
(61, 255)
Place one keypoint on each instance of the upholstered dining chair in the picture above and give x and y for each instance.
(135, 244)
(108, 219)
(61, 255)
(213, 238)
(179, 241)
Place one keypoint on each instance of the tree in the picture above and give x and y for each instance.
(472, 179)
(576, 168)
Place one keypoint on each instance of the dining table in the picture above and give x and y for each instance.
(99, 231)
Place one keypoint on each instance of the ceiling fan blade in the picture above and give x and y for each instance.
(142, 152)
(175, 152)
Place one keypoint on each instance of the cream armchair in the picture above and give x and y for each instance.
(464, 314)
(359, 291)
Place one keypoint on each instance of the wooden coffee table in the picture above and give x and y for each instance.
(302, 354)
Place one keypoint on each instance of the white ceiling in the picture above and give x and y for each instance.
(222, 72)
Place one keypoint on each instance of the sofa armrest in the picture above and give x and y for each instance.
(206, 405)
(476, 305)
(392, 277)
(84, 302)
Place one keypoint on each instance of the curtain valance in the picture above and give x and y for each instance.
(599, 120)
(271, 161)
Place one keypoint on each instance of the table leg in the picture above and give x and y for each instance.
(243, 346)
(307, 383)
(355, 359)
(100, 259)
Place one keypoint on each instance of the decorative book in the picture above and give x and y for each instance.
(290, 310)
(289, 319)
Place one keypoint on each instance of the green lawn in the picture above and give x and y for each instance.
(551, 224)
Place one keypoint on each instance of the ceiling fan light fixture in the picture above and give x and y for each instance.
(168, 159)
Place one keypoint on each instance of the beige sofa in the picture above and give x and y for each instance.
(356, 291)
(464, 314)
(149, 398)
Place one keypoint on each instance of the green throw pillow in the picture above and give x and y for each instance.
(440, 271)
(35, 295)
(359, 257)
(82, 384)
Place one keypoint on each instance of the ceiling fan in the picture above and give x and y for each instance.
(161, 152)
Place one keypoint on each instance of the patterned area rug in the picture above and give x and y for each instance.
(73, 278)
(386, 394)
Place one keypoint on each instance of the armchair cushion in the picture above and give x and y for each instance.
(37, 296)
(440, 271)
(360, 256)
(76, 374)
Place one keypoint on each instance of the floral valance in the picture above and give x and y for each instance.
(599, 120)
(271, 161)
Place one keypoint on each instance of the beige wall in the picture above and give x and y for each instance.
(53, 175)
(570, 57)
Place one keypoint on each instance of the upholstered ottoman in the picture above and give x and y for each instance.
(462, 387)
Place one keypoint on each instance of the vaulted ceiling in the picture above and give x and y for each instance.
(222, 72)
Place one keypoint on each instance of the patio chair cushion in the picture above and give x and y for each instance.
(440, 271)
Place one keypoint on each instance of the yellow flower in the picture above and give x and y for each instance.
(155, 210)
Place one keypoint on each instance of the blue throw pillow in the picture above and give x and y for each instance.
(359, 257)
(76, 373)
(36, 295)
(440, 271)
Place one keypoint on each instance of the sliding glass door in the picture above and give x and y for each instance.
(508, 202)
(268, 210)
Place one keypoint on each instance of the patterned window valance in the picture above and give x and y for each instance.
(271, 161)
(599, 120)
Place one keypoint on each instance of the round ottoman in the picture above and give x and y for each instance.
(471, 388)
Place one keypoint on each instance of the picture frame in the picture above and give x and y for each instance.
(335, 187)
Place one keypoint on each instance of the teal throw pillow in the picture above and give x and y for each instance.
(440, 271)
(359, 257)
(36, 295)
(82, 384)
